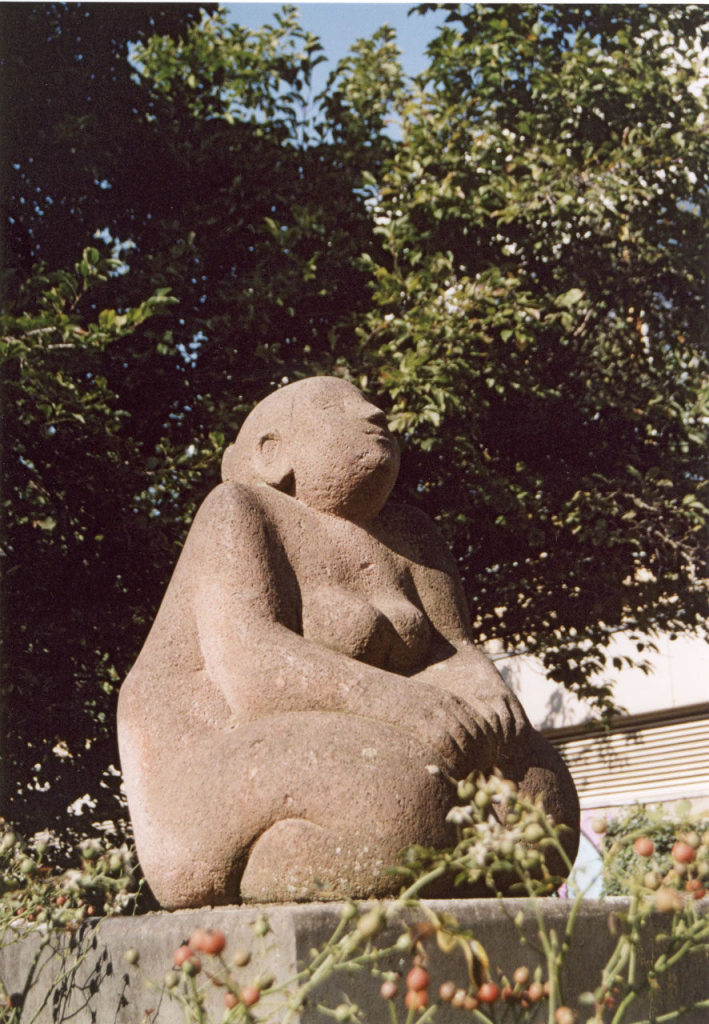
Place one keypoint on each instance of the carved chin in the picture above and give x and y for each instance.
(360, 492)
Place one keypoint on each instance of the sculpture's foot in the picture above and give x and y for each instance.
(293, 860)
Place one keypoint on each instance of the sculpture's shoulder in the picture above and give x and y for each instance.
(232, 502)
(412, 532)
(234, 516)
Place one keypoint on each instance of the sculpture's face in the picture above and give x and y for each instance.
(345, 461)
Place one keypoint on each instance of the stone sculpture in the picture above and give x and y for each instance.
(310, 684)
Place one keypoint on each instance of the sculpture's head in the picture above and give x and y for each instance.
(321, 441)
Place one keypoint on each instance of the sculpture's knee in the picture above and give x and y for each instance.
(189, 876)
(542, 777)
(294, 859)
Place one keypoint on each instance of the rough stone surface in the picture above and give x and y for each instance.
(310, 682)
(98, 986)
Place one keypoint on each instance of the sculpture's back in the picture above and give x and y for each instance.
(309, 684)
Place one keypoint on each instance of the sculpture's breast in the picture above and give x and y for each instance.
(383, 630)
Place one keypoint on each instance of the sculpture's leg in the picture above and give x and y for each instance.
(299, 806)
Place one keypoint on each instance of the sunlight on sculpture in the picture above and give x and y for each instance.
(310, 685)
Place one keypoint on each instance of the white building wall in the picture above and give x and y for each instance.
(679, 678)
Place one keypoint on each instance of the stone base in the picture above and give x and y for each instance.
(84, 977)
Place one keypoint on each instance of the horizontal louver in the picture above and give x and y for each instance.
(640, 759)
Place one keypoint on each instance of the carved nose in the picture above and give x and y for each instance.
(377, 418)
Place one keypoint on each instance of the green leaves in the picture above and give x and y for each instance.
(508, 252)
(542, 279)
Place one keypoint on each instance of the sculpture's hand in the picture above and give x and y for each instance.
(456, 730)
(498, 715)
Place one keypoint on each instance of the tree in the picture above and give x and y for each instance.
(77, 138)
(517, 275)
(251, 213)
(76, 497)
(539, 321)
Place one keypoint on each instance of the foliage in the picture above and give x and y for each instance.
(540, 322)
(71, 496)
(31, 890)
(55, 907)
(252, 213)
(622, 863)
(516, 272)
(77, 135)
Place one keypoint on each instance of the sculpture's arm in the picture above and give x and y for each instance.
(243, 606)
(457, 664)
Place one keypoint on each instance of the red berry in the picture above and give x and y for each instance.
(696, 887)
(683, 853)
(213, 943)
(195, 939)
(417, 979)
(644, 847)
(416, 999)
(508, 994)
(250, 995)
(181, 954)
(489, 992)
(535, 992)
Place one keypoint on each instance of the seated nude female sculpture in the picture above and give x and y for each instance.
(310, 685)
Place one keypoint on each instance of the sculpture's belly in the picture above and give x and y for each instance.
(390, 633)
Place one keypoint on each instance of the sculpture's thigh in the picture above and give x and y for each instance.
(299, 806)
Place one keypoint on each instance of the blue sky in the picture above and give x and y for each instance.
(340, 24)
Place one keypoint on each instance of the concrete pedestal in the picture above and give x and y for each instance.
(84, 978)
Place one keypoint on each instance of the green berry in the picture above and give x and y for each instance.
(533, 833)
(371, 923)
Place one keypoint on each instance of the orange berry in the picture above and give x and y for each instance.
(489, 992)
(416, 999)
(564, 1015)
(470, 1002)
(230, 1000)
(683, 853)
(521, 976)
(195, 939)
(182, 953)
(644, 847)
(696, 887)
(535, 992)
(213, 943)
(459, 997)
(250, 995)
(418, 978)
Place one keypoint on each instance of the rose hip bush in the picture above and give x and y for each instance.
(500, 837)
(390, 946)
(661, 848)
